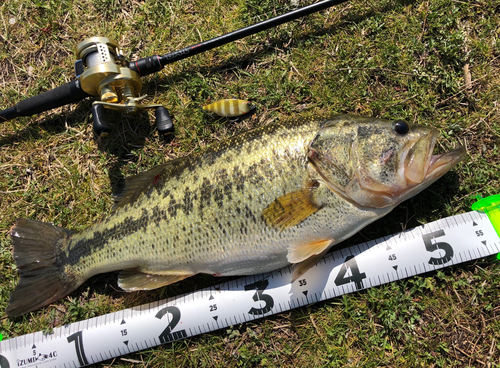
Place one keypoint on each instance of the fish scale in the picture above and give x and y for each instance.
(279, 194)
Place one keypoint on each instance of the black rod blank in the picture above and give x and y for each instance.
(155, 63)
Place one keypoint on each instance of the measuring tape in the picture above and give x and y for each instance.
(429, 247)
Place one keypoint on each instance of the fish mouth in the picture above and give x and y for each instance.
(440, 164)
(420, 165)
(415, 169)
(421, 170)
(418, 168)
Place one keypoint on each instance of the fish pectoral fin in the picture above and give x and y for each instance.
(134, 280)
(291, 209)
(306, 255)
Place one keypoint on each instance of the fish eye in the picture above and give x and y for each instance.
(400, 127)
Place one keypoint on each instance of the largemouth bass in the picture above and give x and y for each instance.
(276, 195)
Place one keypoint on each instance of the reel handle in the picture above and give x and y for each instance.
(164, 122)
(100, 125)
(102, 128)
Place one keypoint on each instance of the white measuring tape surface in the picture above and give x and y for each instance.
(439, 244)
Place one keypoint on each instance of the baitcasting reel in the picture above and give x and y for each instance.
(103, 72)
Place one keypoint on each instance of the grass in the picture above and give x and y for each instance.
(435, 63)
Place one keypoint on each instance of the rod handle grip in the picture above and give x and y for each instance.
(67, 93)
(147, 65)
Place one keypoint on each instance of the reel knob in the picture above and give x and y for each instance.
(100, 125)
(164, 122)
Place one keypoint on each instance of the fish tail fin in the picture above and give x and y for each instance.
(38, 251)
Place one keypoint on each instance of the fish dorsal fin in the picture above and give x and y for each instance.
(291, 209)
(145, 181)
(134, 280)
(307, 254)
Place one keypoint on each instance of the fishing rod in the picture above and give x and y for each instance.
(103, 72)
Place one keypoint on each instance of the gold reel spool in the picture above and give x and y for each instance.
(106, 73)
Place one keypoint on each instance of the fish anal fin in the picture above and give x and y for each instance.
(291, 209)
(134, 280)
(306, 255)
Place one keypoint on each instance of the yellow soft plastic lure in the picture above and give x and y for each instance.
(229, 107)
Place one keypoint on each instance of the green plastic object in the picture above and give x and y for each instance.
(491, 206)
